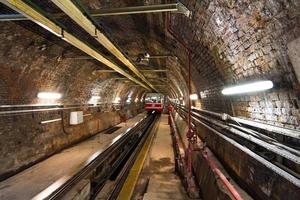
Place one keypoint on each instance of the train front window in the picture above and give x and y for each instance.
(153, 99)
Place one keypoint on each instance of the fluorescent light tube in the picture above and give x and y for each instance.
(247, 88)
(49, 95)
(193, 96)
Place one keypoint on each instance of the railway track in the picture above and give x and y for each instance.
(114, 160)
(120, 174)
(270, 147)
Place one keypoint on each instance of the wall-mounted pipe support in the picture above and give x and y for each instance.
(41, 20)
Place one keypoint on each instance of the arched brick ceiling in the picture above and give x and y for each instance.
(232, 42)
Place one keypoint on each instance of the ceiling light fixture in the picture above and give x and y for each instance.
(49, 95)
(94, 100)
(194, 97)
(117, 100)
(247, 88)
(128, 100)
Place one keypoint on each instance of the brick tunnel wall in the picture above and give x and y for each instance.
(241, 41)
(31, 61)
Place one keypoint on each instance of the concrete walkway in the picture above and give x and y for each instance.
(159, 170)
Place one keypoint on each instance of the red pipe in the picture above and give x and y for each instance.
(207, 154)
(190, 132)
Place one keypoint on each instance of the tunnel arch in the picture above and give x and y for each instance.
(231, 42)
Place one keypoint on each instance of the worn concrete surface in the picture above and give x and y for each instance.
(158, 179)
(32, 181)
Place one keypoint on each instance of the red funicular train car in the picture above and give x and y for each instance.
(154, 101)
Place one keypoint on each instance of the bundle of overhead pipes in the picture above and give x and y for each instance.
(85, 21)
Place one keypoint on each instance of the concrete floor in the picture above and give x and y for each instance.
(35, 179)
(158, 179)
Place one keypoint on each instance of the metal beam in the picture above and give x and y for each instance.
(144, 70)
(161, 56)
(120, 78)
(154, 70)
(79, 58)
(104, 71)
(143, 57)
(38, 18)
(175, 8)
(12, 17)
(68, 7)
(159, 79)
(160, 85)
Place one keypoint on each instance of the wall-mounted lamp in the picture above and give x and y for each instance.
(194, 97)
(117, 100)
(247, 88)
(94, 100)
(49, 95)
(128, 100)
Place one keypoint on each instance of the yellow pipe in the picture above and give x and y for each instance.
(44, 22)
(68, 7)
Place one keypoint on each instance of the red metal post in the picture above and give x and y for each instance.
(207, 154)
(191, 186)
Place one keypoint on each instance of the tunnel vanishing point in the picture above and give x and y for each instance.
(132, 99)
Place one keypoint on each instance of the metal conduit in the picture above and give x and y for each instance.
(68, 7)
(251, 123)
(24, 111)
(38, 18)
(175, 7)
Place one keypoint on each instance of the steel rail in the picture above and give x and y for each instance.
(268, 145)
(225, 117)
(291, 178)
(135, 143)
(259, 158)
(41, 20)
(266, 138)
(70, 9)
(126, 169)
(58, 189)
